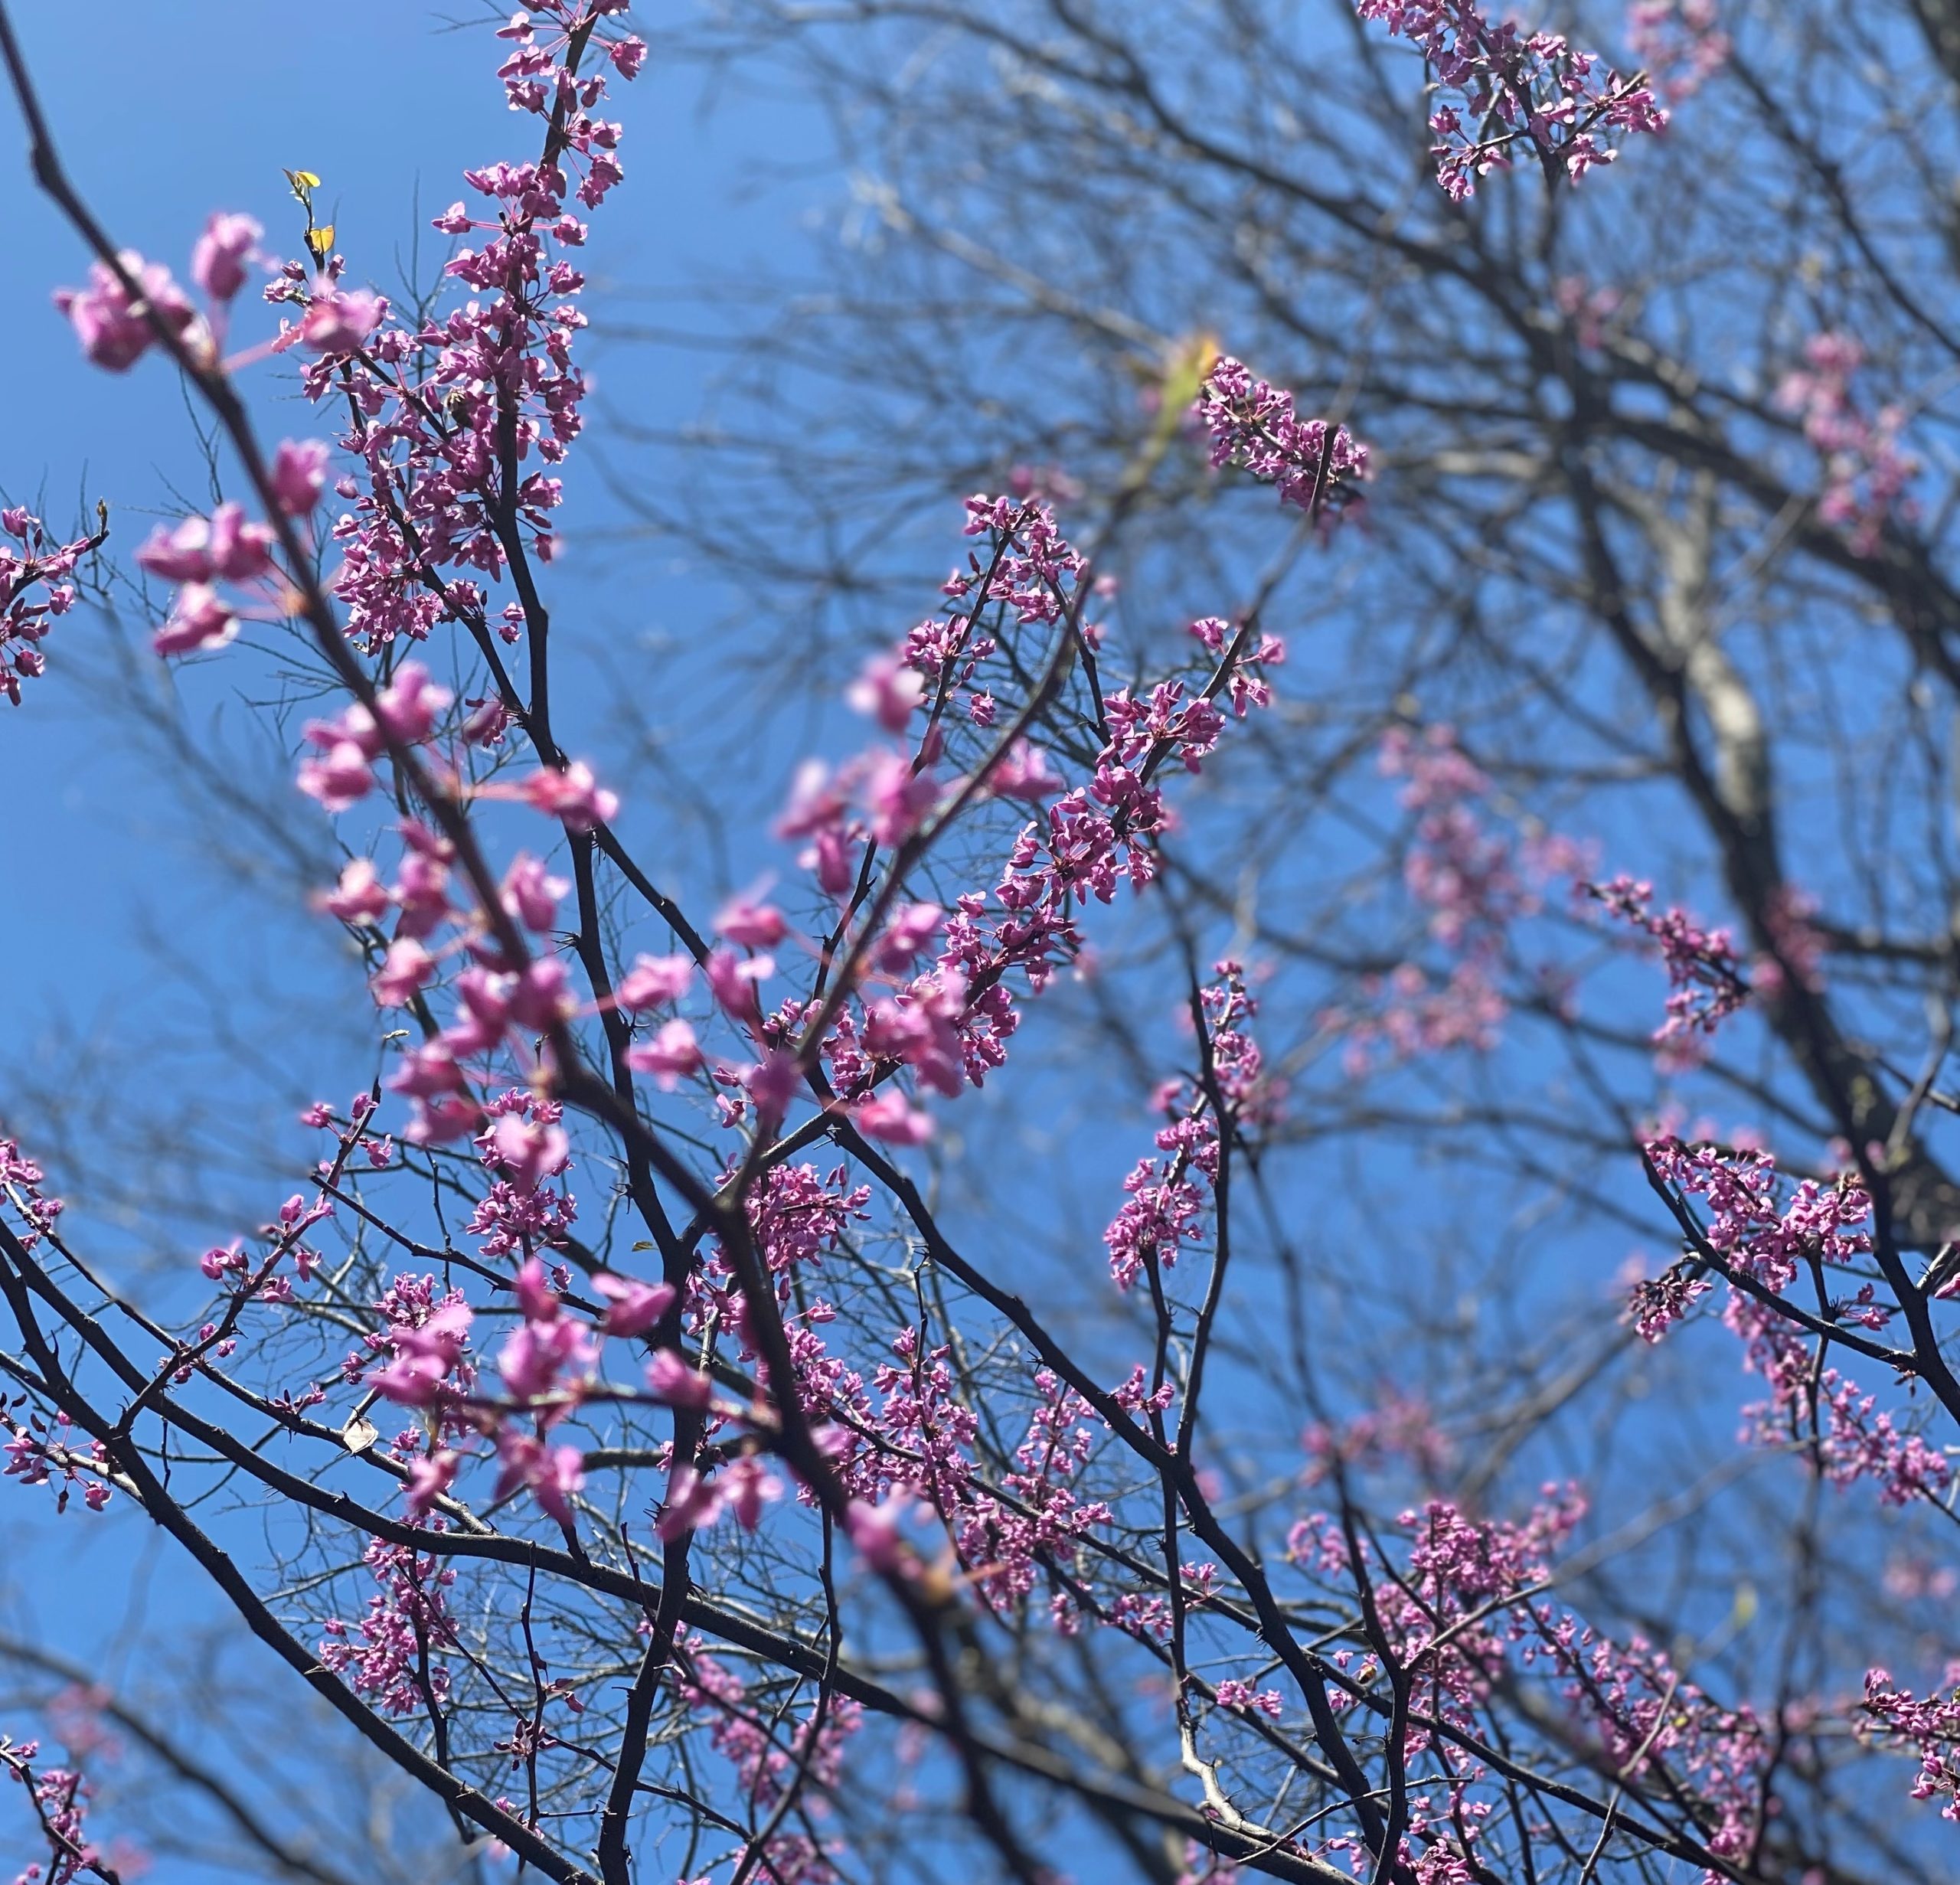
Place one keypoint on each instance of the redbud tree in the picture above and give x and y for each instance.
(619, 1420)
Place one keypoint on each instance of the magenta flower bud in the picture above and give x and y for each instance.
(527, 1152)
(888, 691)
(430, 1476)
(405, 971)
(890, 1116)
(572, 795)
(750, 925)
(299, 475)
(239, 551)
(635, 1307)
(114, 330)
(182, 555)
(654, 980)
(530, 895)
(408, 705)
(217, 263)
(670, 1379)
(669, 1057)
(200, 620)
(338, 322)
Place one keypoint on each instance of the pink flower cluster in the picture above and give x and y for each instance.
(1536, 89)
(1475, 880)
(767, 1763)
(1653, 1722)
(1751, 1226)
(1462, 1616)
(1706, 980)
(1169, 1195)
(39, 1453)
(499, 998)
(1930, 1724)
(1800, 945)
(1681, 43)
(116, 328)
(1656, 1304)
(1866, 471)
(1041, 1518)
(41, 565)
(1770, 1237)
(458, 422)
(1253, 425)
(59, 1798)
(948, 1024)
(1399, 1426)
(21, 1182)
(393, 1657)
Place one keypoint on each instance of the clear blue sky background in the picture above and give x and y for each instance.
(165, 112)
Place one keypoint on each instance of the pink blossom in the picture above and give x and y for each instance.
(816, 801)
(1707, 981)
(424, 1354)
(338, 776)
(528, 1152)
(217, 261)
(670, 1379)
(408, 705)
(427, 1071)
(888, 691)
(907, 936)
(633, 1306)
(535, 1355)
(540, 996)
(627, 55)
(340, 321)
(406, 969)
(1023, 771)
(554, 1474)
(692, 1502)
(572, 795)
(669, 1057)
(1680, 42)
(537, 1299)
(298, 475)
(532, 895)
(747, 1485)
(654, 980)
(875, 1531)
(899, 798)
(742, 1486)
(223, 544)
(200, 620)
(115, 331)
(773, 1083)
(749, 924)
(430, 1475)
(1535, 89)
(889, 1115)
(1252, 423)
(734, 978)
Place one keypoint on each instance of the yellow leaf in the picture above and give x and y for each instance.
(321, 241)
(1184, 370)
(304, 184)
